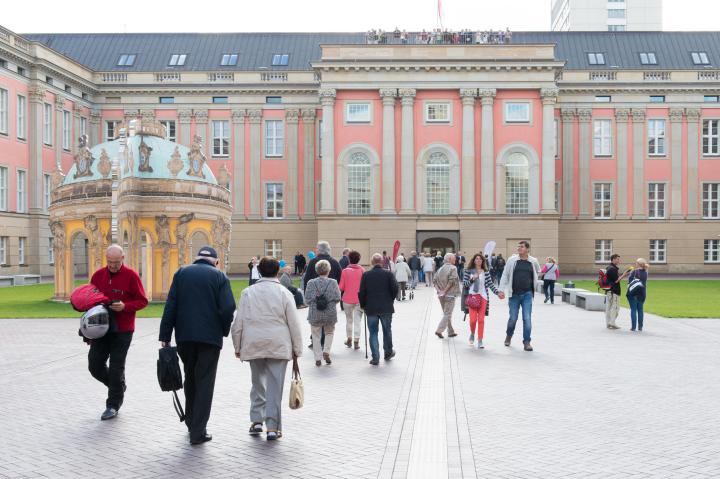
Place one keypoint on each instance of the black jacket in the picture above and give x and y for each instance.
(613, 275)
(310, 273)
(414, 263)
(344, 262)
(378, 290)
(199, 307)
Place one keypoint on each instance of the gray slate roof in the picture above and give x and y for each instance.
(100, 51)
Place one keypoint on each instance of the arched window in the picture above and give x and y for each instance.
(438, 184)
(359, 177)
(516, 184)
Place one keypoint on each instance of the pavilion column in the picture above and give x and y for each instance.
(622, 116)
(407, 151)
(184, 120)
(58, 124)
(487, 152)
(467, 169)
(693, 120)
(255, 180)
(238, 193)
(549, 99)
(201, 130)
(292, 117)
(676, 118)
(308, 120)
(95, 134)
(388, 96)
(568, 159)
(638, 118)
(327, 196)
(585, 118)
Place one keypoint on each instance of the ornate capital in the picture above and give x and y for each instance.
(37, 94)
(487, 96)
(130, 115)
(584, 114)
(467, 96)
(77, 110)
(147, 114)
(388, 96)
(327, 96)
(185, 116)
(638, 116)
(292, 115)
(622, 115)
(693, 114)
(567, 114)
(255, 116)
(407, 96)
(549, 95)
(59, 103)
(308, 116)
(238, 116)
(676, 115)
(201, 116)
(95, 117)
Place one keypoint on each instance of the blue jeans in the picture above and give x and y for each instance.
(373, 321)
(549, 290)
(636, 312)
(414, 280)
(516, 301)
(421, 275)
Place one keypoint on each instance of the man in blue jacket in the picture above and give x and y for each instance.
(199, 307)
(378, 290)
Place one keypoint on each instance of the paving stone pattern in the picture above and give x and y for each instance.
(587, 403)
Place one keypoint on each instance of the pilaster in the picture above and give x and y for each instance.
(467, 171)
(585, 119)
(487, 152)
(693, 120)
(676, 118)
(568, 116)
(308, 119)
(255, 180)
(292, 117)
(327, 196)
(94, 124)
(549, 98)
(58, 134)
(238, 193)
(622, 116)
(639, 148)
(407, 151)
(201, 130)
(389, 97)
(184, 121)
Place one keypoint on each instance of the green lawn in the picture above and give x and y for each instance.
(675, 299)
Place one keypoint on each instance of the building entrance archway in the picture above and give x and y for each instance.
(80, 256)
(443, 241)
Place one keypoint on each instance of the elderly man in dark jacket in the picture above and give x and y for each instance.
(200, 309)
(323, 249)
(378, 290)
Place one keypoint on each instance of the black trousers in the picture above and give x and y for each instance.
(200, 362)
(112, 346)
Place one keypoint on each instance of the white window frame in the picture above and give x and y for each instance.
(617, 14)
(47, 183)
(700, 58)
(21, 117)
(21, 191)
(711, 250)
(47, 124)
(604, 202)
(711, 201)
(3, 250)
(51, 251)
(518, 119)
(648, 58)
(656, 205)
(168, 124)
(596, 58)
(4, 109)
(280, 59)
(358, 116)
(602, 138)
(431, 112)
(711, 139)
(66, 130)
(275, 204)
(658, 251)
(4, 188)
(177, 59)
(126, 60)
(220, 138)
(603, 250)
(114, 124)
(656, 133)
(22, 241)
(274, 138)
(273, 247)
(229, 59)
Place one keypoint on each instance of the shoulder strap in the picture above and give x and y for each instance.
(178, 407)
(295, 369)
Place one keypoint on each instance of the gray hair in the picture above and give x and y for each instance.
(323, 247)
(115, 247)
(322, 267)
(376, 259)
(447, 257)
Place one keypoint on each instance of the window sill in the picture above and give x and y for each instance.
(603, 157)
(711, 218)
(268, 157)
(656, 217)
(4, 265)
(23, 264)
(657, 157)
(219, 157)
(711, 156)
(24, 140)
(658, 262)
(602, 218)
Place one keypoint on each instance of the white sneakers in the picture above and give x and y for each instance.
(480, 344)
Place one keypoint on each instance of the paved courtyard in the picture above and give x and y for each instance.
(587, 403)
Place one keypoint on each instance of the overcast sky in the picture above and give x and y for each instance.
(308, 15)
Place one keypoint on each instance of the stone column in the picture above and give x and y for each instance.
(568, 159)
(184, 120)
(58, 124)
(292, 117)
(327, 193)
(622, 116)
(35, 143)
(308, 120)
(676, 117)
(693, 119)
(75, 132)
(487, 153)
(238, 193)
(255, 180)
(201, 130)
(388, 96)
(407, 151)
(95, 132)
(585, 118)
(639, 148)
(467, 169)
(549, 99)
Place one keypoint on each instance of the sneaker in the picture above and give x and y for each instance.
(374, 362)
(507, 340)
(526, 346)
(471, 339)
(109, 413)
(632, 329)
(480, 344)
(546, 300)
(390, 356)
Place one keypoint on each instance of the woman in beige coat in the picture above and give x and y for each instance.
(266, 333)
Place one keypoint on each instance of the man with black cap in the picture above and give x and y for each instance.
(200, 309)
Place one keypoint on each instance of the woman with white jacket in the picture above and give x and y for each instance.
(428, 265)
(402, 275)
(266, 333)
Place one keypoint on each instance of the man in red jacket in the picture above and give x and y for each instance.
(123, 287)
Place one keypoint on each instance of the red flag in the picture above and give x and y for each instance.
(396, 249)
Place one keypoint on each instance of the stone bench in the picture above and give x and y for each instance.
(7, 281)
(568, 294)
(23, 279)
(590, 301)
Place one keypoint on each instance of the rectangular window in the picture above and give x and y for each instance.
(21, 117)
(3, 188)
(169, 129)
(648, 58)
(3, 249)
(47, 124)
(656, 137)
(517, 112)
(21, 250)
(602, 200)
(602, 137)
(711, 137)
(273, 248)
(596, 58)
(603, 250)
(68, 88)
(438, 112)
(603, 98)
(274, 141)
(700, 58)
(83, 126)
(4, 107)
(712, 251)
(51, 251)
(21, 71)
(280, 59)
(657, 98)
(657, 251)
(616, 13)
(177, 60)
(21, 196)
(229, 60)
(357, 112)
(111, 128)
(221, 137)
(46, 191)
(656, 200)
(126, 60)
(274, 200)
(49, 80)
(711, 201)
(711, 98)
(66, 130)
(219, 99)
(167, 99)
(272, 100)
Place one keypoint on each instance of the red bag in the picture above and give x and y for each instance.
(86, 296)
(474, 301)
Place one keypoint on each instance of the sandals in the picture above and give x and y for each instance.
(256, 429)
(273, 435)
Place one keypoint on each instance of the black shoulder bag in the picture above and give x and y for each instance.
(170, 376)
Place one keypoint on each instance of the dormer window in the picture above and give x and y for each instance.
(700, 58)
(177, 59)
(648, 58)
(229, 60)
(280, 59)
(126, 60)
(596, 58)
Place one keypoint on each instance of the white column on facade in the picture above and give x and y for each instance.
(75, 133)
(58, 125)
(388, 96)
(292, 117)
(238, 192)
(639, 148)
(568, 158)
(549, 99)
(693, 119)
(487, 152)
(327, 189)
(585, 118)
(676, 118)
(407, 151)
(184, 120)
(308, 120)
(255, 179)
(95, 134)
(201, 130)
(35, 143)
(467, 171)
(622, 116)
